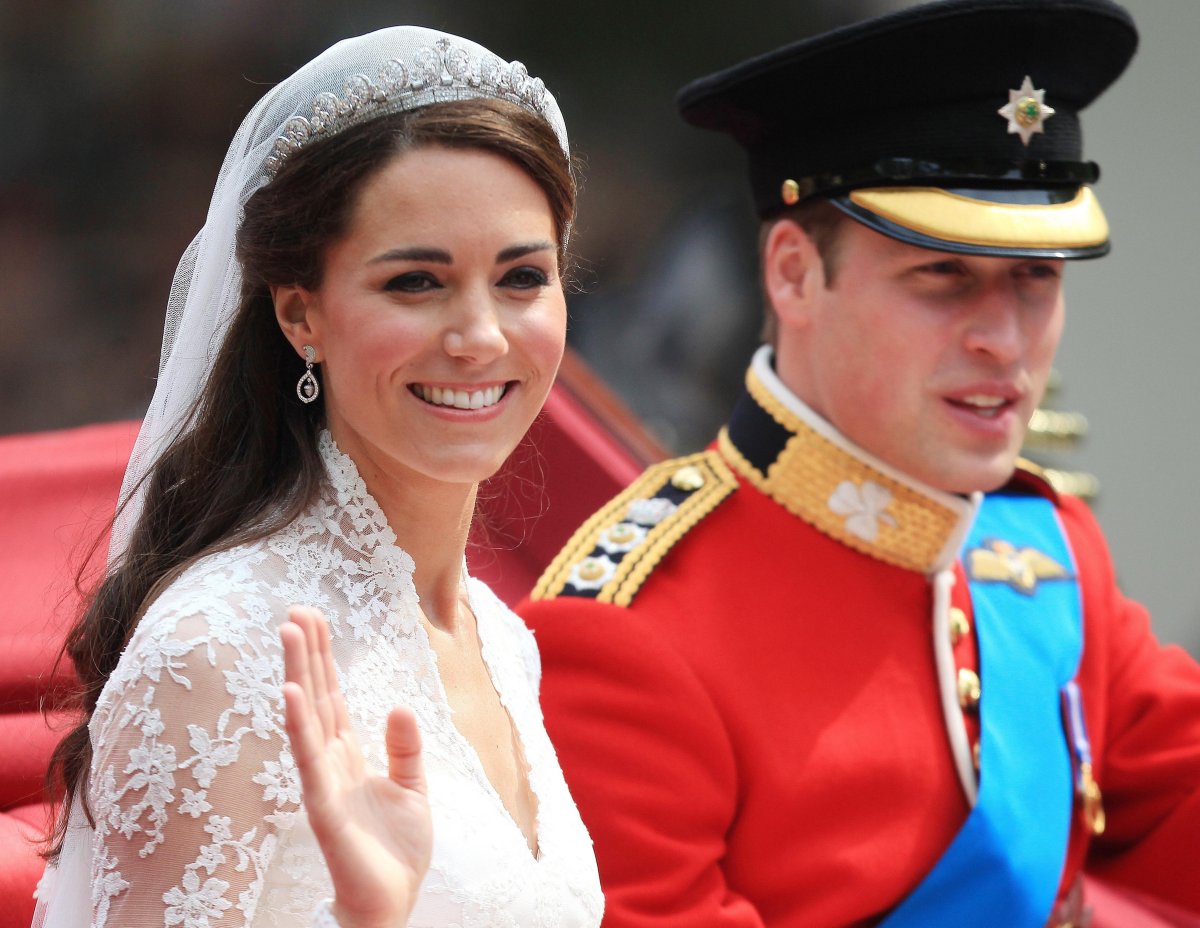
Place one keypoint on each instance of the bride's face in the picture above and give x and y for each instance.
(440, 320)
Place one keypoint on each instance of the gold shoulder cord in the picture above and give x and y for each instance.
(707, 479)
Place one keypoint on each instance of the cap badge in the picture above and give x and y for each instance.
(1026, 111)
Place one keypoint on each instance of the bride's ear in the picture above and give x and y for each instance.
(295, 312)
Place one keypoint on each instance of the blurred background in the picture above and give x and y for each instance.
(115, 116)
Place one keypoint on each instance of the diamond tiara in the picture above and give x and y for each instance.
(438, 73)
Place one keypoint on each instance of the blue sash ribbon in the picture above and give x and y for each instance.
(1004, 866)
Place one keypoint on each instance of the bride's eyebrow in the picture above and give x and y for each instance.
(415, 253)
(519, 251)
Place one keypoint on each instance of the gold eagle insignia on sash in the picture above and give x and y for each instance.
(998, 561)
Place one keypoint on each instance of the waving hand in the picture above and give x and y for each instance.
(374, 831)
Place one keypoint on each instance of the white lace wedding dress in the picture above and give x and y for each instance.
(195, 796)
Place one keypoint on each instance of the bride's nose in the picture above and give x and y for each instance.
(474, 333)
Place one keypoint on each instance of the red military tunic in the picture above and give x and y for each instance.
(741, 682)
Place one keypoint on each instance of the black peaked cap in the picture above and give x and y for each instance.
(923, 83)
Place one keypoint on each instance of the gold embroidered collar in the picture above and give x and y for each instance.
(798, 459)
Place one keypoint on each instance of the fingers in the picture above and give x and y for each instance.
(320, 666)
(337, 702)
(308, 661)
(404, 750)
(299, 663)
(295, 654)
(306, 740)
(307, 729)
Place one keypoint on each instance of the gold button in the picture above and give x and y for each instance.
(790, 192)
(959, 626)
(621, 533)
(687, 478)
(975, 755)
(1093, 802)
(591, 569)
(969, 689)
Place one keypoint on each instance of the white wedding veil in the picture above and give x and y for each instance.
(393, 69)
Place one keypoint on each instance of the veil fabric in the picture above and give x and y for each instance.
(395, 69)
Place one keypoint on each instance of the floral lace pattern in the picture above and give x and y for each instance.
(197, 805)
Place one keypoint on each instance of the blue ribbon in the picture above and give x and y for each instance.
(1004, 866)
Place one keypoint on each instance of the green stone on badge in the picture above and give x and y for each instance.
(1028, 111)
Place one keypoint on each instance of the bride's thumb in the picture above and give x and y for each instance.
(404, 750)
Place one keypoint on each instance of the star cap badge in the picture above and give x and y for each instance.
(1026, 111)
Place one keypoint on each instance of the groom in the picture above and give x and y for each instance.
(857, 663)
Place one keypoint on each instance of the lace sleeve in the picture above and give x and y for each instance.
(192, 779)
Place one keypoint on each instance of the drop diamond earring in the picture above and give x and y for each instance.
(307, 389)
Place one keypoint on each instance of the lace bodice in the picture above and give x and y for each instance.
(199, 819)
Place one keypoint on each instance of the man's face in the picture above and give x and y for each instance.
(933, 362)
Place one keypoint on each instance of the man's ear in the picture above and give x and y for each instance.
(293, 312)
(792, 272)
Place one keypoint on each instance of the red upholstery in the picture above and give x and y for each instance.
(56, 495)
(20, 867)
(57, 492)
(569, 465)
(1118, 907)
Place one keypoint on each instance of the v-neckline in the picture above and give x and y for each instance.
(478, 770)
(345, 479)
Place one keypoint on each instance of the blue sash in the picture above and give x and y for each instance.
(1004, 866)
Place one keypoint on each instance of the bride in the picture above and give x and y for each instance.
(368, 322)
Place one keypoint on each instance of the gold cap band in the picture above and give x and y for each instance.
(953, 217)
